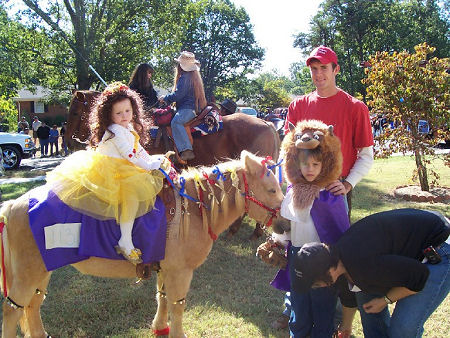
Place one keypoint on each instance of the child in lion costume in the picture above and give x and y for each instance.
(312, 162)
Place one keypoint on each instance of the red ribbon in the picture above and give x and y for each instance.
(263, 163)
(163, 332)
(210, 180)
(212, 234)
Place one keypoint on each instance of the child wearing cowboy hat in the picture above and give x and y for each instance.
(189, 96)
(227, 107)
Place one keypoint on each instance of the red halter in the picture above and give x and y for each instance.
(272, 212)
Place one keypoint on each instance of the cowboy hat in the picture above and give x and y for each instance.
(188, 62)
(229, 105)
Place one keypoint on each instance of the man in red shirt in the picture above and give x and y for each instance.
(351, 121)
(349, 117)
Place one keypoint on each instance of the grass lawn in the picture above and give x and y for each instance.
(230, 294)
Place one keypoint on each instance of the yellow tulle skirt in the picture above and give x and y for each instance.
(105, 187)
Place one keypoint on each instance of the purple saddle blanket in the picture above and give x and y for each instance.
(65, 236)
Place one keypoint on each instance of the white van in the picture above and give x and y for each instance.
(247, 110)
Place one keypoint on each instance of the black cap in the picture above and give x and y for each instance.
(229, 105)
(311, 261)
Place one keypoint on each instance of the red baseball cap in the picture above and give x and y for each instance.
(323, 54)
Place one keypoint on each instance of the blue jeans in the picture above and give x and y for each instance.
(410, 313)
(179, 134)
(312, 313)
(44, 146)
(287, 304)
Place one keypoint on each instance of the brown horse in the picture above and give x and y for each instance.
(189, 242)
(240, 132)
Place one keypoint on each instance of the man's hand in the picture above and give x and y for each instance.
(338, 187)
(375, 305)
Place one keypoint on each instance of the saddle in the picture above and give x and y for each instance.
(201, 118)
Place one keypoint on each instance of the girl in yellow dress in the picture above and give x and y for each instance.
(115, 178)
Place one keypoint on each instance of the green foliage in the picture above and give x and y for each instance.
(115, 36)
(221, 36)
(112, 36)
(356, 29)
(272, 94)
(8, 113)
(21, 54)
(267, 90)
(408, 88)
(301, 79)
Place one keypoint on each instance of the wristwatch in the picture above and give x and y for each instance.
(387, 300)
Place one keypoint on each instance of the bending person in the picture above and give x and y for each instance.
(399, 256)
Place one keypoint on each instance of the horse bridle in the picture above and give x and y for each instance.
(248, 197)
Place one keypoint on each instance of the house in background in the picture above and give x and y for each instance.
(31, 104)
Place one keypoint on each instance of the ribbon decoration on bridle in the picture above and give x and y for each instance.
(219, 174)
(264, 165)
(273, 166)
(272, 211)
(182, 188)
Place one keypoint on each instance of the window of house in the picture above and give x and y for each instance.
(39, 107)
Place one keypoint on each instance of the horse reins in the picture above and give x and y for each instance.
(272, 211)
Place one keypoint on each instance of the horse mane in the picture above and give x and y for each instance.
(216, 192)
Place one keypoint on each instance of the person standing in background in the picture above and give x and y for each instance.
(23, 126)
(227, 107)
(35, 125)
(53, 140)
(62, 132)
(43, 133)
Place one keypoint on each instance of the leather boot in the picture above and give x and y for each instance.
(187, 155)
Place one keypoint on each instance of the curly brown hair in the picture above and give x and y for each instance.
(101, 119)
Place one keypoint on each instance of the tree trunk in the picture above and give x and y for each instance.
(421, 171)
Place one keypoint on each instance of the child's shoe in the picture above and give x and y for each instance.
(134, 256)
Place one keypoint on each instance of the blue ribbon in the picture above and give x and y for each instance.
(181, 191)
(167, 178)
(270, 167)
(219, 174)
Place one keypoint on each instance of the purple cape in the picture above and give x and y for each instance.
(97, 238)
(330, 218)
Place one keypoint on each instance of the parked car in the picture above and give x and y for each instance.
(248, 110)
(15, 147)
